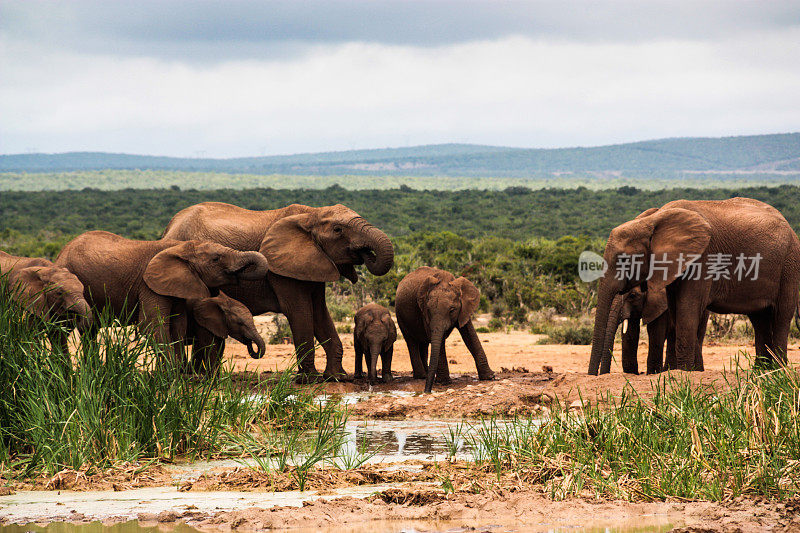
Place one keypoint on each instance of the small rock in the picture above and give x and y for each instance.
(450, 390)
(167, 516)
(547, 368)
(578, 404)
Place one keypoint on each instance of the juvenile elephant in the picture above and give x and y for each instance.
(146, 281)
(707, 233)
(219, 316)
(305, 247)
(627, 311)
(373, 336)
(48, 291)
(430, 303)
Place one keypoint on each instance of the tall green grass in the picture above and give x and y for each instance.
(686, 441)
(122, 399)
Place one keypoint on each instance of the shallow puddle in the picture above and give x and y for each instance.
(33, 506)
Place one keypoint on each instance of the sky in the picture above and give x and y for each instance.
(243, 78)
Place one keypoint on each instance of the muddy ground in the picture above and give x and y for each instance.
(530, 378)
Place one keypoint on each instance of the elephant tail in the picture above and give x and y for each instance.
(797, 317)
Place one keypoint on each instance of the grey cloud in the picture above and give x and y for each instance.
(203, 29)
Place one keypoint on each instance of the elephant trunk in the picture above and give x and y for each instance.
(374, 353)
(250, 266)
(376, 250)
(614, 320)
(252, 338)
(606, 293)
(437, 339)
(83, 315)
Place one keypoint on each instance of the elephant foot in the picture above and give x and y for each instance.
(358, 375)
(387, 378)
(420, 376)
(487, 377)
(337, 375)
(304, 377)
(443, 380)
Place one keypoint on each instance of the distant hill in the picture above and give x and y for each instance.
(756, 153)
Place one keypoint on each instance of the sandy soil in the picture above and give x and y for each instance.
(530, 376)
(521, 511)
(509, 350)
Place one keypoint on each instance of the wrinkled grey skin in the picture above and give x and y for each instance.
(49, 292)
(431, 303)
(305, 247)
(707, 228)
(148, 282)
(219, 316)
(626, 311)
(373, 336)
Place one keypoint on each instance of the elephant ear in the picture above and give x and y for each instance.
(169, 274)
(425, 288)
(470, 298)
(655, 304)
(33, 287)
(361, 324)
(390, 327)
(675, 231)
(208, 313)
(291, 251)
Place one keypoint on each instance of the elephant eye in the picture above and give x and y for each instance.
(337, 230)
(216, 258)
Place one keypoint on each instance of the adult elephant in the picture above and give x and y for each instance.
(149, 282)
(304, 247)
(627, 310)
(683, 234)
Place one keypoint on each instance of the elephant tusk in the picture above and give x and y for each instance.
(624, 326)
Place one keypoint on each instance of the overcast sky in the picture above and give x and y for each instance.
(228, 78)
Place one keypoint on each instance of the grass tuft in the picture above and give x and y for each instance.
(686, 441)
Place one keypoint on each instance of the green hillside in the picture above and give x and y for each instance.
(758, 153)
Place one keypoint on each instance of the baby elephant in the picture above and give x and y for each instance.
(430, 303)
(49, 292)
(374, 335)
(220, 317)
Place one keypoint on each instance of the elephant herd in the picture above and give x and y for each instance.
(671, 266)
(217, 265)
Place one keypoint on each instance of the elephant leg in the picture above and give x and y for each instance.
(296, 303)
(154, 316)
(657, 335)
(701, 335)
(326, 334)
(689, 309)
(473, 343)
(207, 352)
(386, 364)
(416, 350)
(359, 372)
(670, 360)
(443, 368)
(630, 346)
(418, 353)
(762, 328)
(780, 329)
